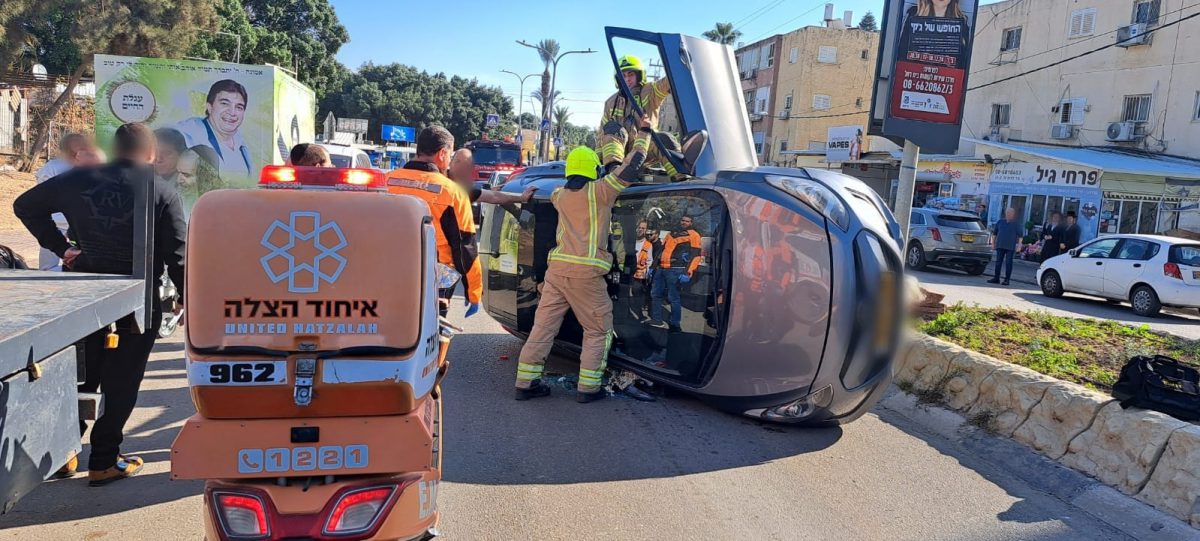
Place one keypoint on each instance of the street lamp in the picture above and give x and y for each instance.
(549, 100)
(520, 96)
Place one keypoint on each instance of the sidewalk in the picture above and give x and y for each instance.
(1023, 271)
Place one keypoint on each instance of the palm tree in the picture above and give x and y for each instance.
(723, 33)
(561, 115)
(547, 51)
(537, 95)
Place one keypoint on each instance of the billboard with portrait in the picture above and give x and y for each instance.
(921, 85)
(217, 123)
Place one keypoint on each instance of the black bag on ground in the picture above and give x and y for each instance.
(11, 260)
(1161, 384)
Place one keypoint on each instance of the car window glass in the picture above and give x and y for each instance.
(339, 160)
(918, 219)
(1138, 250)
(969, 223)
(670, 290)
(1099, 249)
(1185, 254)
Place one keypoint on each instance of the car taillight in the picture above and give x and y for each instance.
(937, 234)
(1172, 270)
(242, 516)
(357, 511)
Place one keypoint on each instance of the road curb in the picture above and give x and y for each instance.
(1146, 454)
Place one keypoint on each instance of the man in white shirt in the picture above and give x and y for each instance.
(219, 129)
(69, 146)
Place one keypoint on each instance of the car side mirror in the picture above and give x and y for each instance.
(1074, 252)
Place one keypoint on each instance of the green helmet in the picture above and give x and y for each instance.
(633, 63)
(583, 162)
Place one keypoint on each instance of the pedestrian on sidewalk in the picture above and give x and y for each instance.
(1070, 235)
(1052, 234)
(1004, 241)
(98, 205)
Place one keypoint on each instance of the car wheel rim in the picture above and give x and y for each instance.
(1141, 301)
(1051, 283)
(914, 256)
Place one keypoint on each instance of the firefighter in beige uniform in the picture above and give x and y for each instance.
(577, 265)
(618, 124)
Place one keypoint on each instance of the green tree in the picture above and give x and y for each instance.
(868, 23)
(301, 35)
(723, 33)
(67, 35)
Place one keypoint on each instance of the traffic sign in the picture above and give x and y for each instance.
(493, 120)
(545, 124)
(558, 141)
(402, 134)
(519, 139)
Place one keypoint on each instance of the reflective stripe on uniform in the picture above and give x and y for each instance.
(415, 184)
(529, 372)
(612, 181)
(590, 378)
(555, 255)
(593, 228)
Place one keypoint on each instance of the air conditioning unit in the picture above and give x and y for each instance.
(1134, 34)
(1062, 131)
(1122, 131)
(997, 135)
(755, 117)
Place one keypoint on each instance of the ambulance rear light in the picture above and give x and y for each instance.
(358, 511)
(243, 516)
(296, 178)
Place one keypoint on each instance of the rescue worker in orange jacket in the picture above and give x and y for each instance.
(577, 266)
(680, 259)
(449, 205)
(618, 124)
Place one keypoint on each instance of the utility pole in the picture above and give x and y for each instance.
(906, 186)
(520, 96)
(544, 149)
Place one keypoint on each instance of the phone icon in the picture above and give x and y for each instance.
(250, 461)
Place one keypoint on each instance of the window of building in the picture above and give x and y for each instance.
(821, 102)
(759, 138)
(827, 54)
(1137, 214)
(787, 102)
(783, 145)
(1196, 109)
(1000, 113)
(1070, 111)
(1146, 11)
(768, 56)
(1011, 40)
(794, 55)
(858, 102)
(816, 145)
(1137, 108)
(761, 98)
(1083, 23)
(865, 54)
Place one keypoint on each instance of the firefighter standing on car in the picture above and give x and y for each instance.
(577, 266)
(618, 126)
(448, 203)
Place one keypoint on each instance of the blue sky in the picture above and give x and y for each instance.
(474, 38)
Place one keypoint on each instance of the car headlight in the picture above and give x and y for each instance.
(815, 195)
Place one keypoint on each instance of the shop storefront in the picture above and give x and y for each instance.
(1038, 189)
(952, 182)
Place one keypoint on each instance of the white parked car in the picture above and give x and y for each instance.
(1148, 271)
(344, 156)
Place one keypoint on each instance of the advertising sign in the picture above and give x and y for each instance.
(217, 123)
(843, 143)
(1046, 174)
(925, 54)
(352, 125)
(402, 134)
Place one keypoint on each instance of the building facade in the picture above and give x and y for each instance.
(1105, 125)
(824, 80)
(758, 65)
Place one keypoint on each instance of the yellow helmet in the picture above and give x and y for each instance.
(583, 162)
(633, 63)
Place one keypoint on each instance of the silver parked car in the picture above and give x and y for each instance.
(948, 238)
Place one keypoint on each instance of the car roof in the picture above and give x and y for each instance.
(342, 150)
(949, 212)
(1156, 238)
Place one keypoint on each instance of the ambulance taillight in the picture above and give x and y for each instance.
(327, 178)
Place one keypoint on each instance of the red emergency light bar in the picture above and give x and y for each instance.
(297, 177)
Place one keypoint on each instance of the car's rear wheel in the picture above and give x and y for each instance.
(1145, 301)
(915, 258)
(976, 270)
(1052, 284)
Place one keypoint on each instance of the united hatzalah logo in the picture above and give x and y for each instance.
(304, 277)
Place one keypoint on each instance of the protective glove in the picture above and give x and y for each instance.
(685, 279)
(472, 308)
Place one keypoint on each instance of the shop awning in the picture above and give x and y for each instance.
(1108, 160)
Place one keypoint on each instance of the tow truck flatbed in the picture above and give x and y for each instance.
(42, 315)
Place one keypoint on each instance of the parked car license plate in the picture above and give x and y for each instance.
(967, 238)
(1196, 275)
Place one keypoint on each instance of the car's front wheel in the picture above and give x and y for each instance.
(1052, 284)
(915, 258)
(1145, 301)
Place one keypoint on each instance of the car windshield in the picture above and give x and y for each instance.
(339, 160)
(1185, 254)
(969, 223)
(493, 156)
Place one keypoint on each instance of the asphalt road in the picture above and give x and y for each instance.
(958, 287)
(622, 469)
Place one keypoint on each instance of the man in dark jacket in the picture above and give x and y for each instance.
(1070, 235)
(98, 205)
(1006, 232)
(1052, 234)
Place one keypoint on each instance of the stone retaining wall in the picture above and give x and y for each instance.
(1151, 456)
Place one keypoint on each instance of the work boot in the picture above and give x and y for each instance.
(993, 281)
(127, 466)
(535, 390)
(584, 398)
(69, 469)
